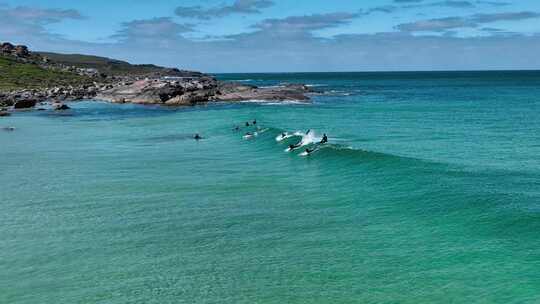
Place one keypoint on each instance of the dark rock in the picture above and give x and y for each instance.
(167, 92)
(24, 104)
(7, 47)
(174, 91)
(190, 98)
(21, 51)
(162, 91)
(4, 113)
(60, 107)
(231, 91)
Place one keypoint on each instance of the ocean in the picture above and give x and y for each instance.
(428, 191)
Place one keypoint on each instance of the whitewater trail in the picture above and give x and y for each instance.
(256, 133)
(308, 138)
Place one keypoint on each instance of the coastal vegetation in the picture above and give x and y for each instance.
(17, 75)
(109, 66)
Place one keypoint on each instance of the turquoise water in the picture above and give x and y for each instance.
(429, 192)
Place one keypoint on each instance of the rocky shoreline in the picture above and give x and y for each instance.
(167, 91)
(170, 87)
(178, 92)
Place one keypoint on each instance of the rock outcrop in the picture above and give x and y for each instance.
(165, 86)
(15, 50)
(166, 91)
(25, 104)
(169, 91)
(197, 90)
(22, 98)
(240, 92)
(21, 51)
(7, 48)
(60, 106)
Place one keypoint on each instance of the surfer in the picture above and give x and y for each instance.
(250, 135)
(247, 124)
(308, 151)
(283, 135)
(292, 147)
(197, 137)
(236, 128)
(298, 144)
(254, 122)
(324, 139)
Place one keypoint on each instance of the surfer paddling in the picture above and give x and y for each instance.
(250, 135)
(292, 147)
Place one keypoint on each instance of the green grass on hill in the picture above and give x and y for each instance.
(103, 64)
(16, 75)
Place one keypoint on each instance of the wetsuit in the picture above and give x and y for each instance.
(292, 147)
(324, 139)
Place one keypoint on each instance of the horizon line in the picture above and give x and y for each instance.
(382, 71)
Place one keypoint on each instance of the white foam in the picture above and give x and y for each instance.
(253, 101)
(261, 130)
(275, 103)
(271, 87)
(280, 137)
(307, 139)
(250, 136)
(285, 102)
(310, 138)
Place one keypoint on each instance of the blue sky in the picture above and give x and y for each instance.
(282, 36)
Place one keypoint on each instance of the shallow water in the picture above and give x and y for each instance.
(427, 192)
